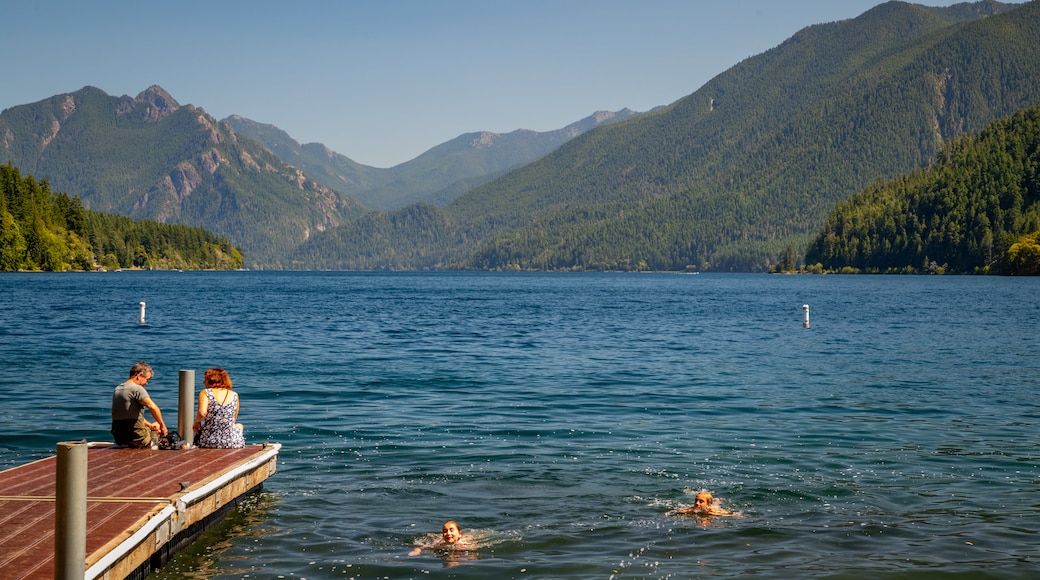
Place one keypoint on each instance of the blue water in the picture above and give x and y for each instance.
(557, 417)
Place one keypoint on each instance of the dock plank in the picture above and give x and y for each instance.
(128, 491)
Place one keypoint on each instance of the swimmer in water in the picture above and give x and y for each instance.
(451, 540)
(704, 505)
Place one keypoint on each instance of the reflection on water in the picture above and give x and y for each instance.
(199, 561)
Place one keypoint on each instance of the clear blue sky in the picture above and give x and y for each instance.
(382, 81)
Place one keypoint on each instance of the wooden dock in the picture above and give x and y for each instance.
(142, 506)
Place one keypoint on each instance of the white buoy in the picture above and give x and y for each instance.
(805, 308)
(141, 320)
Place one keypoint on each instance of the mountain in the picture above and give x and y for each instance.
(149, 157)
(975, 209)
(751, 162)
(437, 176)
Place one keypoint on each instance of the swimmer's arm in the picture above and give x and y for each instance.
(415, 551)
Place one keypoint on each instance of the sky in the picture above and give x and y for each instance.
(382, 81)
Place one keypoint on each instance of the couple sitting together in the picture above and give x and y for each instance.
(215, 424)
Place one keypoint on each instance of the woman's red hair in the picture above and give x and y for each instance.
(216, 378)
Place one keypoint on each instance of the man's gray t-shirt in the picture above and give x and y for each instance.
(127, 401)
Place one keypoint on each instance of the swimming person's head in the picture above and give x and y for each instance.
(703, 500)
(451, 533)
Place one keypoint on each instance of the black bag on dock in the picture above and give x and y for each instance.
(171, 441)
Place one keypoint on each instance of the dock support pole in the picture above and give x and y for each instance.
(70, 511)
(186, 406)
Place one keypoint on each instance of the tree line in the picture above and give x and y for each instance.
(976, 209)
(50, 231)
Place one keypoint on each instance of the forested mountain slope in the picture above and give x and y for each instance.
(751, 162)
(973, 210)
(150, 158)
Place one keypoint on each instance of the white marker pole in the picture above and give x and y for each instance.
(141, 320)
(805, 308)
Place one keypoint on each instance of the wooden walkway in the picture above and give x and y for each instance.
(142, 505)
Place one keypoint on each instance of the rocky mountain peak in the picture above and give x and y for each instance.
(152, 104)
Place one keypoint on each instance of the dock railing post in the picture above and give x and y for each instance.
(186, 406)
(70, 511)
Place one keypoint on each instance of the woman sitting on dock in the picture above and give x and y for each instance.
(215, 424)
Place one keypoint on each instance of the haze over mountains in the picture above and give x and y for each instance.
(723, 179)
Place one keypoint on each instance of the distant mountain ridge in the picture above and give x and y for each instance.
(437, 176)
(332, 169)
(727, 177)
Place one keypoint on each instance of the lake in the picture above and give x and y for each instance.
(558, 417)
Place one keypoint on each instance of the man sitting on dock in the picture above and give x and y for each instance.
(129, 427)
